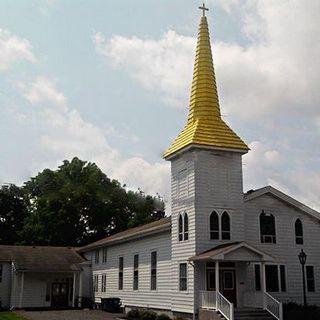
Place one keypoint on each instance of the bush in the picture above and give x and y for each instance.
(136, 314)
(148, 315)
(163, 316)
(293, 311)
(133, 314)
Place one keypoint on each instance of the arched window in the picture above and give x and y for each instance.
(267, 228)
(186, 226)
(214, 226)
(299, 231)
(225, 226)
(180, 226)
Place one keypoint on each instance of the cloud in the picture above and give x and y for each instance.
(163, 66)
(286, 171)
(66, 134)
(43, 91)
(14, 49)
(275, 71)
(267, 82)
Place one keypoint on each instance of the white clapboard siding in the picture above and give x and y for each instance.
(285, 251)
(5, 284)
(144, 297)
(218, 187)
(183, 201)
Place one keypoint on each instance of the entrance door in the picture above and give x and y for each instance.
(228, 285)
(211, 280)
(59, 297)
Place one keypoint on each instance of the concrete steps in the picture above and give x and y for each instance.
(252, 314)
(239, 314)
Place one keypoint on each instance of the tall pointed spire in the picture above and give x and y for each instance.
(205, 127)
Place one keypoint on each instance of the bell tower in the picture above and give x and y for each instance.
(206, 167)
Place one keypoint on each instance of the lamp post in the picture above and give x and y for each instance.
(303, 258)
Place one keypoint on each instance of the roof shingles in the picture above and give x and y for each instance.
(41, 259)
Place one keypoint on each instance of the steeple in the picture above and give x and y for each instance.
(205, 127)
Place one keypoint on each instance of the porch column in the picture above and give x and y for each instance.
(263, 287)
(21, 290)
(74, 289)
(80, 291)
(217, 276)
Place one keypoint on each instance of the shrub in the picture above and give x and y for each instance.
(293, 311)
(163, 316)
(133, 314)
(148, 315)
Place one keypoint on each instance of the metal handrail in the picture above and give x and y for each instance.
(225, 307)
(272, 305)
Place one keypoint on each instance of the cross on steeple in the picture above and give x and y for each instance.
(204, 9)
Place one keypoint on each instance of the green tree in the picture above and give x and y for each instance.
(78, 204)
(12, 213)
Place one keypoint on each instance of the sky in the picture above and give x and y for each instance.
(109, 82)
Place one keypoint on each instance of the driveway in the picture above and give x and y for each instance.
(69, 315)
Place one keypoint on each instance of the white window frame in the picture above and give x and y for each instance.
(136, 269)
(120, 272)
(96, 256)
(295, 235)
(156, 273)
(275, 227)
(314, 278)
(209, 268)
(186, 277)
(104, 255)
(254, 276)
(96, 282)
(233, 278)
(220, 225)
(183, 233)
(220, 212)
(279, 276)
(209, 224)
(180, 232)
(104, 282)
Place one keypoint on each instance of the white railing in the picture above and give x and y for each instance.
(225, 307)
(208, 299)
(272, 305)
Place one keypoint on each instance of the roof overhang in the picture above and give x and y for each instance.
(126, 237)
(237, 251)
(170, 156)
(284, 197)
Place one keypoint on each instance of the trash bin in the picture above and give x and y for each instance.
(111, 304)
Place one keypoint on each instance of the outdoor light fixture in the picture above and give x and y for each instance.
(303, 258)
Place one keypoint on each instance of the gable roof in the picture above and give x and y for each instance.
(253, 194)
(219, 252)
(42, 258)
(158, 226)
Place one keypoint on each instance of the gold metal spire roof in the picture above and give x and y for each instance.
(205, 127)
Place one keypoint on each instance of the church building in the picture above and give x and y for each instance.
(222, 251)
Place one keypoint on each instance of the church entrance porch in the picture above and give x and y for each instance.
(225, 280)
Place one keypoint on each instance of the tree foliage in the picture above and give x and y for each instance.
(73, 206)
(13, 211)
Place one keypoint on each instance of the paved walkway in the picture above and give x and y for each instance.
(69, 315)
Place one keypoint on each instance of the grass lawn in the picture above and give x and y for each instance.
(10, 316)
